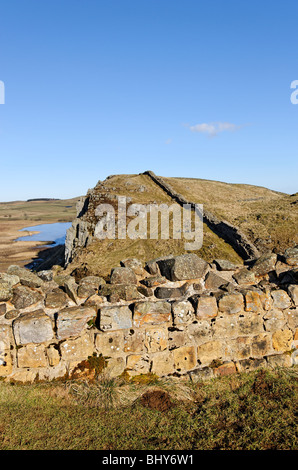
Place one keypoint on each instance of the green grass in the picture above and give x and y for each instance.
(254, 411)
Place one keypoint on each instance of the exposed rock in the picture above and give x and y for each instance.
(293, 291)
(185, 358)
(27, 278)
(10, 279)
(32, 355)
(154, 281)
(282, 340)
(46, 275)
(24, 297)
(71, 288)
(119, 291)
(206, 307)
(170, 292)
(2, 309)
(89, 286)
(156, 339)
(12, 314)
(145, 291)
(135, 264)
(33, 327)
(109, 343)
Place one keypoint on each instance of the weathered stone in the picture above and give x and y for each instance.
(281, 299)
(183, 313)
(253, 302)
(135, 264)
(231, 303)
(281, 268)
(115, 318)
(10, 279)
(225, 326)
(279, 360)
(115, 367)
(95, 301)
(266, 299)
(53, 355)
(24, 297)
(292, 318)
(213, 281)
(241, 347)
(293, 292)
(250, 324)
(145, 291)
(33, 327)
(137, 364)
(46, 275)
(110, 343)
(153, 268)
(154, 281)
(12, 314)
(282, 340)
(225, 369)
(274, 319)
(225, 265)
(57, 299)
(260, 345)
(265, 264)
(152, 313)
(89, 286)
(199, 332)
(75, 349)
(291, 256)
(206, 307)
(251, 364)
(2, 309)
(24, 375)
(201, 374)
(134, 341)
(210, 351)
(5, 346)
(177, 338)
(170, 292)
(121, 291)
(71, 289)
(156, 339)
(185, 358)
(245, 277)
(27, 278)
(163, 363)
(5, 291)
(183, 267)
(123, 276)
(32, 355)
(72, 320)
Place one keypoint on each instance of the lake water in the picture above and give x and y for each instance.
(53, 233)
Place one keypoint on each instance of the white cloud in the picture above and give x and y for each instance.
(213, 128)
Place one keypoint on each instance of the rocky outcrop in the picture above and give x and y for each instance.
(166, 324)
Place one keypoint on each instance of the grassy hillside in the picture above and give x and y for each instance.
(268, 218)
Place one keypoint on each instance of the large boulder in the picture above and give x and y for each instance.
(123, 275)
(265, 264)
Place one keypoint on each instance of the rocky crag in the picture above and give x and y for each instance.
(172, 316)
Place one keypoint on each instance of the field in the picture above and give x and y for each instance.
(248, 411)
(19, 214)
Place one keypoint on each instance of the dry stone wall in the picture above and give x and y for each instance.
(175, 316)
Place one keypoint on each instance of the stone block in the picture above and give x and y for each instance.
(274, 319)
(261, 345)
(134, 341)
(156, 339)
(33, 327)
(163, 364)
(281, 299)
(282, 340)
(72, 320)
(253, 302)
(183, 313)
(32, 356)
(206, 307)
(185, 358)
(24, 297)
(123, 275)
(183, 267)
(210, 351)
(110, 343)
(293, 292)
(76, 349)
(231, 303)
(250, 324)
(137, 364)
(115, 318)
(225, 369)
(153, 313)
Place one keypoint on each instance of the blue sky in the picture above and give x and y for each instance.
(184, 88)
